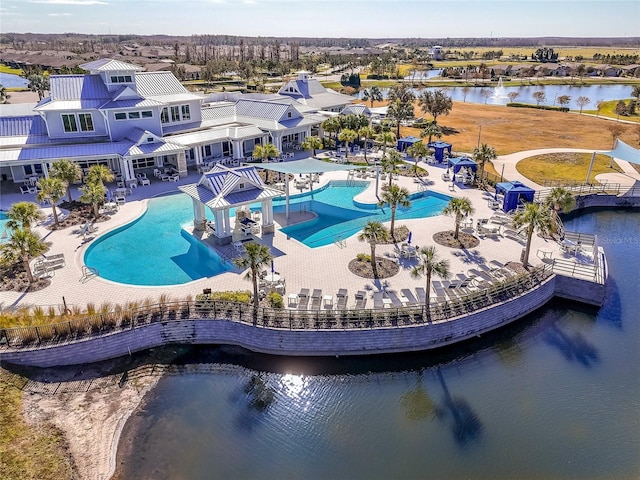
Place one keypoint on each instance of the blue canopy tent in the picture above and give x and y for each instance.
(459, 162)
(406, 142)
(439, 148)
(513, 193)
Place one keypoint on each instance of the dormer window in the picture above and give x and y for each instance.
(241, 186)
(288, 114)
(150, 139)
(121, 79)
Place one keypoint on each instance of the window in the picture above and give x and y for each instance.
(241, 186)
(69, 123)
(164, 115)
(207, 150)
(143, 162)
(134, 115)
(121, 116)
(186, 113)
(175, 114)
(121, 79)
(147, 114)
(150, 139)
(288, 114)
(86, 122)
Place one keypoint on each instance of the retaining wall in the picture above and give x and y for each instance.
(603, 200)
(287, 342)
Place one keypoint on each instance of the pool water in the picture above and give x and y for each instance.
(4, 231)
(154, 249)
(340, 217)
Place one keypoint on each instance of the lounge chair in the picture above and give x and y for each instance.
(316, 299)
(303, 299)
(421, 295)
(342, 297)
(407, 297)
(361, 299)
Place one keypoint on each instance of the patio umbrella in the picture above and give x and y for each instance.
(272, 268)
(409, 239)
(109, 196)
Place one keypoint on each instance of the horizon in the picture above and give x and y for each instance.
(379, 19)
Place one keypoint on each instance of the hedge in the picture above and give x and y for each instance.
(539, 107)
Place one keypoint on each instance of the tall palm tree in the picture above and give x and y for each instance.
(265, 152)
(51, 189)
(373, 232)
(332, 125)
(373, 94)
(22, 246)
(347, 136)
(535, 216)
(99, 174)
(38, 83)
(429, 264)
(560, 199)
(459, 209)
(389, 162)
(312, 143)
(93, 194)
(366, 133)
(400, 105)
(431, 130)
(354, 121)
(482, 155)
(23, 215)
(256, 257)
(394, 195)
(67, 171)
(4, 96)
(417, 150)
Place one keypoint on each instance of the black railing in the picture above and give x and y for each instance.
(347, 319)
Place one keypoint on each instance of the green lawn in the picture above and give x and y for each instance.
(609, 110)
(7, 69)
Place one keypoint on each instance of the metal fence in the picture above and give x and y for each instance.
(583, 189)
(347, 319)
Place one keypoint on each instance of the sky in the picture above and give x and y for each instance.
(327, 18)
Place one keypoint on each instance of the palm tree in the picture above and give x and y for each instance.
(347, 136)
(459, 208)
(389, 162)
(394, 195)
(400, 105)
(51, 189)
(429, 264)
(99, 174)
(93, 194)
(23, 215)
(372, 94)
(255, 258)
(417, 150)
(354, 121)
(373, 232)
(38, 83)
(560, 199)
(67, 171)
(482, 155)
(636, 93)
(332, 125)
(431, 130)
(535, 216)
(386, 138)
(312, 143)
(22, 246)
(265, 152)
(366, 133)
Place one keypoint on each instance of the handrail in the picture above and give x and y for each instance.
(264, 317)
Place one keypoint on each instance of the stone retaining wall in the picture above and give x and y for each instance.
(286, 342)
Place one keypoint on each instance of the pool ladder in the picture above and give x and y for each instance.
(340, 242)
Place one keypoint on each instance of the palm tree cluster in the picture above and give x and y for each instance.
(93, 192)
(23, 244)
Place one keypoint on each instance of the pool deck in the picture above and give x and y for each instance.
(319, 268)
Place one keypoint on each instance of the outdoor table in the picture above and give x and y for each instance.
(544, 253)
(292, 298)
(387, 302)
(272, 277)
(327, 300)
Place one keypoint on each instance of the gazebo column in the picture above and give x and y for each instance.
(45, 170)
(277, 141)
(199, 215)
(238, 151)
(181, 160)
(128, 169)
(197, 155)
(267, 216)
(227, 223)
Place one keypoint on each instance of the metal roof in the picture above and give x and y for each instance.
(66, 151)
(262, 109)
(153, 84)
(110, 65)
(227, 110)
(76, 87)
(65, 105)
(131, 103)
(26, 125)
(210, 136)
(153, 149)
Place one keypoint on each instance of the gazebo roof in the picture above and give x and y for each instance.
(462, 162)
(224, 187)
(306, 166)
(515, 186)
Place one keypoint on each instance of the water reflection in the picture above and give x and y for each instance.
(573, 346)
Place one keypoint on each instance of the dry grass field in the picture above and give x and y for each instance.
(566, 167)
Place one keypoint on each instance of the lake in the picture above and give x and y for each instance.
(593, 92)
(8, 80)
(557, 395)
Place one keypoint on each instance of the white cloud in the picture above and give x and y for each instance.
(70, 2)
(59, 14)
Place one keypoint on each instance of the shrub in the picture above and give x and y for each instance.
(275, 300)
(539, 107)
(363, 257)
(240, 296)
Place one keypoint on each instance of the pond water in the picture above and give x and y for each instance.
(556, 395)
(593, 92)
(10, 80)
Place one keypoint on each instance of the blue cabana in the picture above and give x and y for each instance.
(459, 162)
(439, 148)
(514, 192)
(406, 142)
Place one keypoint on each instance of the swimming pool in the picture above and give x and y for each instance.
(154, 249)
(4, 231)
(339, 216)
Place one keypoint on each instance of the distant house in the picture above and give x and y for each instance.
(606, 71)
(132, 121)
(630, 70)
(436, 52)
(309, 91)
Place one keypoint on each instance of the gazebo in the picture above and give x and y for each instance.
(439, 148)
(514, 192)
(406, 142)
(459, 162)
(222, 189)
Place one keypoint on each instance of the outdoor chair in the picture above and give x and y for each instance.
(361, 299)
(341, 297)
